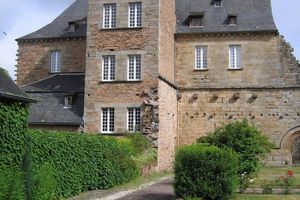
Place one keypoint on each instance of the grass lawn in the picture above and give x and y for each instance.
(267, 197)
(270, 174)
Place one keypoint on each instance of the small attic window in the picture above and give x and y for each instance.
(72, 27)
(68, 102)
(196, 21)
(232, 20)
(217, 3)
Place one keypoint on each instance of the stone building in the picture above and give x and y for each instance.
(174, 69)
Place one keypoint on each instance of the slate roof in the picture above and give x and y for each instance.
(252, 16)
(10, 91)
(77, 12)
(50, 93)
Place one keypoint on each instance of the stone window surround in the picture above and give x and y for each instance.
(120, 115)
(121, 62)
(122, 16)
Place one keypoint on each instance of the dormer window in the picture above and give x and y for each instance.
(72, 27)
(217, 3)
(232, 20)
(68, 101)
(196, 21)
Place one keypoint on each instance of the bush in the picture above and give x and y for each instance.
(13, 126)
(205, 171)
(139, 142)
(246, 140)
(11, 184)
(84, 162)
(44, 183)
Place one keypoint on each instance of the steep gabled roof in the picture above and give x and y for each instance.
(59, 28)
(252, 16)
(50, 93)
(9, 90)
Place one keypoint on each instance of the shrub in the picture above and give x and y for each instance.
(140, 142)
(13, 126)
(44, 183)
(11, 184)
(27, 169)
(205, 171)
(83, 162)
(246, 140)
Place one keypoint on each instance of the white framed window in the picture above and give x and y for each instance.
(55, 61)
(201, 57)
(134, 67)
(109, 15)
(108, 120)
(235, 60)
(108, 68)
(134, 119)
(135, 14)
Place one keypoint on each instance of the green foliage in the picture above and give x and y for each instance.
(139, 142)
(246, 140)
(44, 183)
(13, 126)
(84, 162)
(27, 169)
(205, 171)
(11, 184)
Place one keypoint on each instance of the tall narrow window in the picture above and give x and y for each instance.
(135, 14)
(235, 61)
(134, 119)
(109, 16)
(201, 57)
(108, 68)
(134, 67)
(55, 61)
(108, 120)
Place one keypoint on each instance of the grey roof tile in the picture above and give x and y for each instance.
(252, 15)
(50, 94)
(9, 90)
(59, 27)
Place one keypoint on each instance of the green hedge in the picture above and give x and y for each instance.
(245, 139)
(206, 172)
(84, 162)
(13, 126)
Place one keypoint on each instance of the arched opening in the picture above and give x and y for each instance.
(291, 142)
(295, 150)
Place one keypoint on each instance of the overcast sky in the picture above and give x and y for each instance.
(21, 17)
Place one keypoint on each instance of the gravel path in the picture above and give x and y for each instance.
(159, 191)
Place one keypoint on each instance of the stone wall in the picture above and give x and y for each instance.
(266, 62)
(167, 125)
(274, 111)
(34, 58)
(120, 42)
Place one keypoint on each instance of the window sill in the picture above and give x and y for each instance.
(123, 28)
(118, 82)
(235, 69)
(199, 70)
(113, 133)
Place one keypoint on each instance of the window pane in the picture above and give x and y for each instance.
(108, 68)
(201, 57)
(55, 61)
(235, 56)
(135, 14)
(108, 120)
(134, 67)
(134, 119)
(109, 16)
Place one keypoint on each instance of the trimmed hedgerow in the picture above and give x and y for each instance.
(206, 172)
(84, 162)
(13, 126)
(246, 140)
